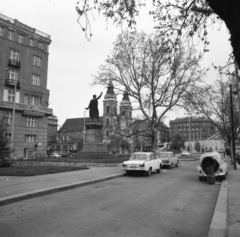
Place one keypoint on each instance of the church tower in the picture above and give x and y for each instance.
(125, 112)
(109, 111)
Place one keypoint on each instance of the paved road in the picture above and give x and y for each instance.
(173, 203)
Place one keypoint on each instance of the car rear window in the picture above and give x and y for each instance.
(164, 155)
(138, 157)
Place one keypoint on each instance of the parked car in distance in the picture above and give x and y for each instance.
(185, 153)
(144, 162)
(168, 158)
(214, 160)
(54, 155)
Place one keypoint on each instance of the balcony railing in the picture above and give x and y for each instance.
(11, 83)
(14, 63)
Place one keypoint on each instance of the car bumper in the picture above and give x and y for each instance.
(218, 174)
(140, 169)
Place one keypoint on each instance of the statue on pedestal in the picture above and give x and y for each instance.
(93, 107)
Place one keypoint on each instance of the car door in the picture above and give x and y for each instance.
(154, 162)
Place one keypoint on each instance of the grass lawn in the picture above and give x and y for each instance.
(84, 160)
(35, 170)
(41, 170)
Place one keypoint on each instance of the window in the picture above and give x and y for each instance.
(8, 95)
(35, 100)
(36, 79)
(107, 121)
(20, 39)
(9, 117)
(15, 55)
(40, 45)
(31, 42)
(1, 31)
(107, 109)
(26, 99)
(107, 133)
(31, 121)
(11, 34)
(36, 61)
(30, 138)
(13, 75)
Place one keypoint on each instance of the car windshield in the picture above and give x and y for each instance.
(164, 155)
(139, 157)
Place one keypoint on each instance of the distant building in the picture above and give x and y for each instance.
(23, 79)
(145, 142)
(192, 128)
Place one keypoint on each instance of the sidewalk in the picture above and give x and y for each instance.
(13, 189)
(226, 217)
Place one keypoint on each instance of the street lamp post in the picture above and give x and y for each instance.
(13, 120)
(190, 145)
(232, 130)
(84, 128)
(13, 115)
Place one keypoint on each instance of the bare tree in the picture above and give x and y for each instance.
(156, 78)
(177, 18)
(215, 105)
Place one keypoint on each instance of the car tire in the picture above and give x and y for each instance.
(223, 177)
(149, 172)
(200, 178)
(159, 170)
(177, 164)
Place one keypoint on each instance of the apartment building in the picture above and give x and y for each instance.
(192, 128)
(23, 86)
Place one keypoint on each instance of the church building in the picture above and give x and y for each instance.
(114, 119)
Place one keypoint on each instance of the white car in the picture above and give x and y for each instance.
(168, 158)
(185, 153)
(54, 155)
(145, 162)
(214, 161)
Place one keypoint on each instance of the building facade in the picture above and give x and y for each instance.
(23, 86)
(192, 128)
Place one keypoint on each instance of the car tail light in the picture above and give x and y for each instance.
(123, 165)
(142, 165)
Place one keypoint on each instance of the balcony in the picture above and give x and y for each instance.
(11, 83)
(27, 109)
(14, 63)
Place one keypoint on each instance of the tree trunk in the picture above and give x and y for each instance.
(229, 12)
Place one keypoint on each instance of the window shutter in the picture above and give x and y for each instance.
(17, 97)
(5, 95)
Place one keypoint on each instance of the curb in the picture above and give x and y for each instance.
(218, 227)
(41, 192)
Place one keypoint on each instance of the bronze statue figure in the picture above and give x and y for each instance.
(93, 106)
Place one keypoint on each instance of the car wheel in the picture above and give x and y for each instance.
(223, 177)
(159, 170)
(200, 178)
(149, 172)
(177, 164)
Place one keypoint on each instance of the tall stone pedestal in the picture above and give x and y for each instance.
(93, 142)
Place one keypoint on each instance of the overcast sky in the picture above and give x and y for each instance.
(73, 59)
